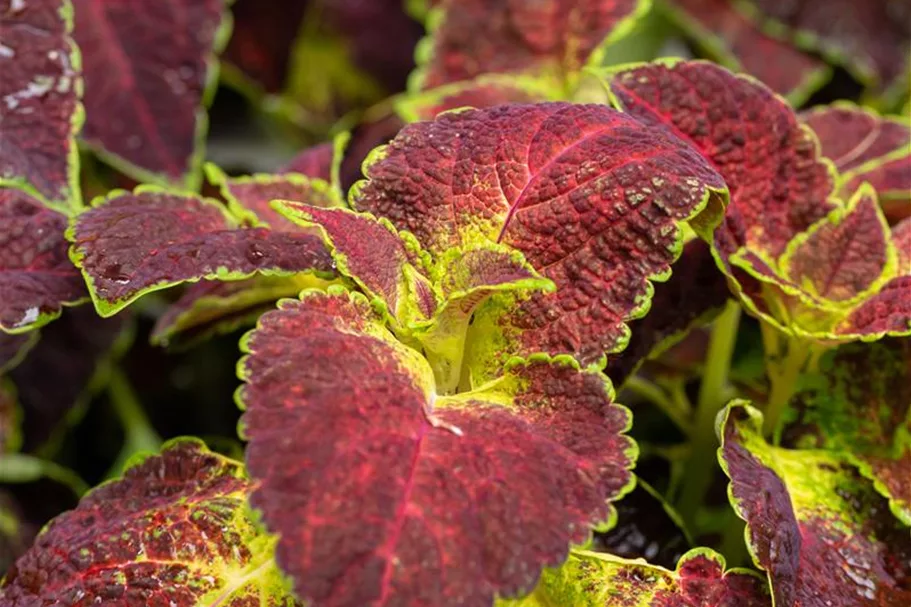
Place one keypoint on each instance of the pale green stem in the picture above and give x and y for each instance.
(786, 358)
(702, 461)
(139, 435)
(654, 394)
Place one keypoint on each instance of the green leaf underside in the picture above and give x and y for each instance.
(129, 244)
(37, 278)
(249, 197)
(859, 405)
(737, 42)
(145, 100)
(814, 525)
(175, 530)
(40, 91)
(555, 38)
(590, 579)
(214, 307)
(590, 197)
(458, 513)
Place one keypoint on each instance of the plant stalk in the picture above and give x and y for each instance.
(701, 464)
(786, 358)
(139, 435)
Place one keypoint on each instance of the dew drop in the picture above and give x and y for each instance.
(6, 52)
(254, 253)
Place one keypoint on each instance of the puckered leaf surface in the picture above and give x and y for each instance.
(67, 366)
(36, 277)
(872, 38)
(591, 198)
(149, 71)
(816, 527)
(590, 579)
(554, 37)
(174, 531)
(129, 244)
(779, 183)
(740, 44)
(40, 98)
(867, 147)
(859, 405)
(466, 497)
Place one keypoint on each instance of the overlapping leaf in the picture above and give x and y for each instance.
(732, 39)
(814, 525)
(174, 530)
(40, 91)
(590, 579)
(555, 38)
(867, 147)
(481, 92)
(36, 277)
(129, 244)
(591, 198)
(858, 405)
(872, 39)
(149, 71)
(467, 496)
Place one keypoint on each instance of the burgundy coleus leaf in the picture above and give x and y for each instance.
(37, 279)
(249, 197)
(901, 237)
(737, 42)
(555, 38)
(39, 99)
(175, 530)
(865, 146)
(814, 525)
(694, 292)
(150, 70)
(213, 307)
(858, 404)
(872, 39)
(591, 579)
(67, 366)
(129, 244)
(314, 162)
(779, 183)
(559, 183)
(345, 426)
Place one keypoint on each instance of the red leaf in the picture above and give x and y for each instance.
(36, 277)
(901, 237)
(132, 243)
(871, 38)
(314, 162)
(554, 37)
(887, 311)
(482, 92)
(464, 498)
(815, 526)
(779, 185)
(149, 69)
(40, 100)
(727, 35)
(588, 195)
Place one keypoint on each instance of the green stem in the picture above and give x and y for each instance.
(786, 358)
(654, 394)
(139, 435)
(701, 464)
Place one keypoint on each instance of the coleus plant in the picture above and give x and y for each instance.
(430, 408)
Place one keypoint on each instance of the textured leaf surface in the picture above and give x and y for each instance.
(839, 259)
(554, 37)
(859, 404)
(40, 98)
(779, 184)
(888, 311)
(737, 42)
(589, 579)
(588, 195)
(36, 277)
(872, 38)
(173, 531)
(131, 243)
(249, 197)
(814, 525)
(148, 70)
(64, 370)
(345, 427)
(865, 146)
